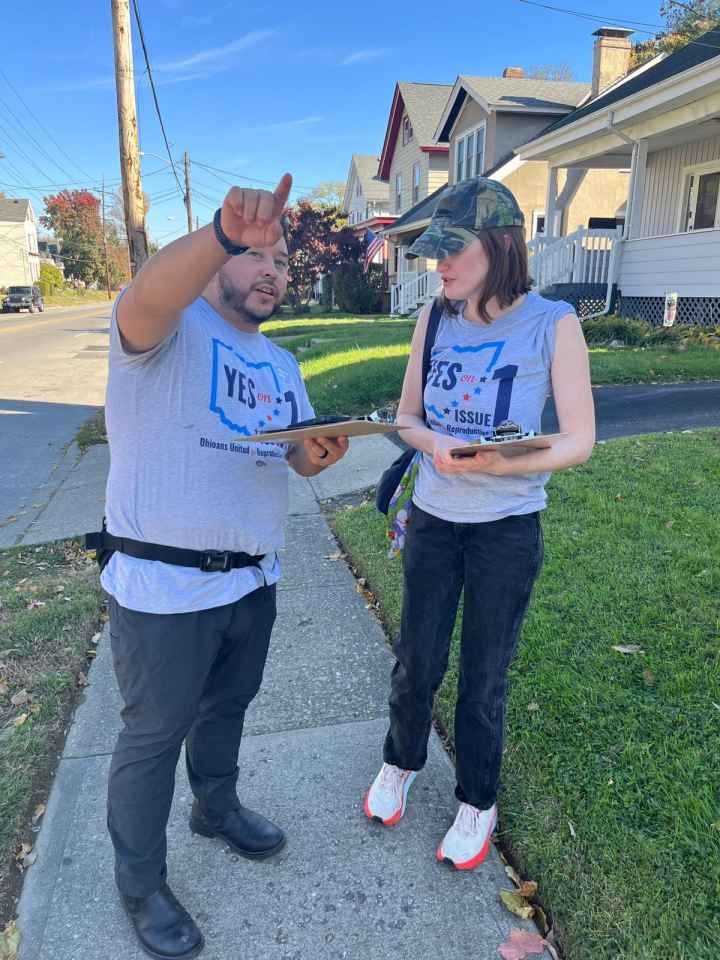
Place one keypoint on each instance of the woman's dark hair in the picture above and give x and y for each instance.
(507, 277)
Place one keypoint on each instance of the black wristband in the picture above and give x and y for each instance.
(223, 239)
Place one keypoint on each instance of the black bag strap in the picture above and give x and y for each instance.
(430, 335)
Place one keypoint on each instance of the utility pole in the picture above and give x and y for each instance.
(107, 265)
(133, 199)
(188, 197)
(197, 223)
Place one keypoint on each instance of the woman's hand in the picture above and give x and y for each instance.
(251, 218)
(324, 451)
(484, 461)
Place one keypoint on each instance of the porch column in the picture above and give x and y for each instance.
(633, 225)
(551, 209)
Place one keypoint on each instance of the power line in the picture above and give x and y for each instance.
(41, 125)
(79, 183)
(238, 176)
(26, 132)
(635, 24)
(154, 92)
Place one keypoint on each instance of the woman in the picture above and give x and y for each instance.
(474, 522)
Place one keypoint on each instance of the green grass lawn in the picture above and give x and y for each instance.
(611, 796)
(356, 364)
(74, 298)
(50, 608)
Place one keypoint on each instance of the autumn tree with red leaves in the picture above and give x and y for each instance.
(319, 242)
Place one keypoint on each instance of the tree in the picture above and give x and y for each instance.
(319, 242)
(551, 71)
(74, 216)
(51, 279)
(684, 22)
(329, 193)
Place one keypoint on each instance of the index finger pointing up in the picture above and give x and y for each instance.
(281, 194)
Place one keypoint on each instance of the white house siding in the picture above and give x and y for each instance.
(686, 263)
(664, 182)
(437, 171)
(17, 242)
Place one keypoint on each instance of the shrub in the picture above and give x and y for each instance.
(357, 292)
(51, 279)
(604, 329)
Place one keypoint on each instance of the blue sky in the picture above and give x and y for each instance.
(255, 88)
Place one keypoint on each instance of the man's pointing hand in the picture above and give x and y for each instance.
(251, 218)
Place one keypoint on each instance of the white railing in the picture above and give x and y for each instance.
(413, 291)
(540, 243)
(581, 257)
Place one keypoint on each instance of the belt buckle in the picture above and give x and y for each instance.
(216, 561)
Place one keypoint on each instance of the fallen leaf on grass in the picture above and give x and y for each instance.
(3, 687)
(628, 648)
(541, 919)
(532, 707)
(526, 888)
(512, 873)
(38, 812)
(20, 698)
(25, 856)
(82, 680)
(9, 942)
(522, 944)
(649, 677)
(572, 829)
(35, 603)
(517, 904)
(34, 709)
(95, 638)
(19, 721)
(335, 556)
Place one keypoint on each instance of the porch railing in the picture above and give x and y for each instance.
(584, 256)
(413, 290)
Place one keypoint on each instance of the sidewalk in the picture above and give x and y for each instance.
(343, 887)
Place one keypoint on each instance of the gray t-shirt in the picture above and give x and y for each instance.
(480, 375)
(181, 473)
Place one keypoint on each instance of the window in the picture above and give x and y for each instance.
(357, 190)
(407, 130)
(416, 182)
(701, 203)
(460, 159)
(470, 154)
(538, 223)
(398, 192)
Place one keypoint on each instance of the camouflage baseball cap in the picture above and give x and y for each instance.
(464, 210)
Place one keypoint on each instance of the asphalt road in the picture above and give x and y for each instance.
(52, 378)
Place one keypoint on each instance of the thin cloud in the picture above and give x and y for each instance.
(215, 55)
(287, 124)
(362, 56)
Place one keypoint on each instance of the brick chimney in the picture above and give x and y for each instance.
(517, 73)
(611, 57)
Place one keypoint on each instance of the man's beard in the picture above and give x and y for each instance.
(233, 298)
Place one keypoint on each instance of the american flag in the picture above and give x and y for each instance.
(373, 244)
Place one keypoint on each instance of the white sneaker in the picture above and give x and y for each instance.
(467, 842)
(386, 798)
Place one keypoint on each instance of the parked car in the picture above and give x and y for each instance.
(23, 298)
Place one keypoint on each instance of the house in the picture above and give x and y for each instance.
(483, 122)
(19, 258)
(412, 164)
(50, 250)
(662, 121)
(366, 201)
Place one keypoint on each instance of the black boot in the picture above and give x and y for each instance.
(163, 926)
(249, 834)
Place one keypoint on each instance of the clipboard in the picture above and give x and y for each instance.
(327, 427)
(509, 448)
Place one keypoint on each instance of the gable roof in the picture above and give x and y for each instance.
(13, 211)
(366, 167)
(424, 104)
(514, 94)
(706, 47)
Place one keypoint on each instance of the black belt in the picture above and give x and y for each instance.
(211, 561)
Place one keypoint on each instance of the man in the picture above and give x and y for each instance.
(195, 515)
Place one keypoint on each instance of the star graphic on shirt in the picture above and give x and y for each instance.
(483, 379)
(478, 391)
(278, 399)
(269, 416)
(446, 410)
(261, 423)
(466, 396)
(454, 404)
(276, 413)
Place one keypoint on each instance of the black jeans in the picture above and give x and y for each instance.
(185, 676)
(496, 563)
